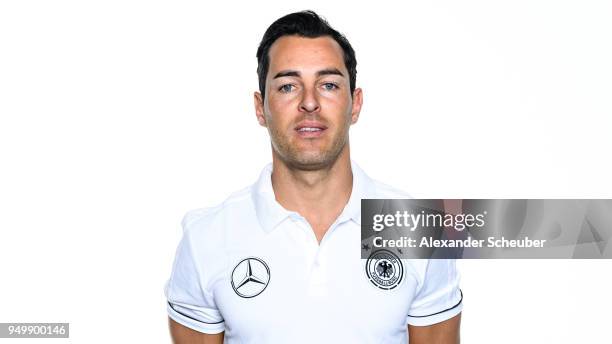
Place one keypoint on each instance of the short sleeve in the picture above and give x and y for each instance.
(189, 303)
(438, 296)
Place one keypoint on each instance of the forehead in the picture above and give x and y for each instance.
(302, 53)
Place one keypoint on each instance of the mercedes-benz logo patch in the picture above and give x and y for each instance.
(384, 269)
(250, 277)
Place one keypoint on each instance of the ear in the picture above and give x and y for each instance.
(357, 102)
(259, 109)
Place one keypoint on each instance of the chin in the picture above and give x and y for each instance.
(311, 162)
(308, 158)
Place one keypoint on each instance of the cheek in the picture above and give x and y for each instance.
(276, 107)
(337, 107)
(338, 99)
(279, 112)
(283, 103)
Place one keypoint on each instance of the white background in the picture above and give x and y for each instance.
(119, 116)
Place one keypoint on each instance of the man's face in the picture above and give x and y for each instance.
(308, 107)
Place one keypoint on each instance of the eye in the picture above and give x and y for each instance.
(285, 88)
(330, 86)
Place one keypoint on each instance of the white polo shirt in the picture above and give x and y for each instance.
(255, 270)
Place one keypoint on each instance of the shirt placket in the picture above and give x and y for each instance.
(317, 256)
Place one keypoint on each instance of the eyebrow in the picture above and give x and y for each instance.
(327, 71)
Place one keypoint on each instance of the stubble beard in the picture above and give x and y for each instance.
(310, 160)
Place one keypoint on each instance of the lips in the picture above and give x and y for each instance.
(310, 129)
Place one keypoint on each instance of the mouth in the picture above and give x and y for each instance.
(310, 129)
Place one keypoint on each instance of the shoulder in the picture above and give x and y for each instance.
(382, 190)
(374, 188)
(212, 221)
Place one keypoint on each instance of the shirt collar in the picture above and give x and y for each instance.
(270, 213)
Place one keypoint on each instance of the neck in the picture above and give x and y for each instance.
(318, 195)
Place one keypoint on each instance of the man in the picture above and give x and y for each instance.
(279, 262)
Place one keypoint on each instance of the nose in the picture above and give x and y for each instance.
(309, 102)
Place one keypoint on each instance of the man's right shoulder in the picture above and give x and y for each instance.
(215, 218)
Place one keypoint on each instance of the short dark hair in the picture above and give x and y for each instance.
(305, 24)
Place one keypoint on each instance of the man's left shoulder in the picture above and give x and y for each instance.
(375, 189)
(382, 190)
